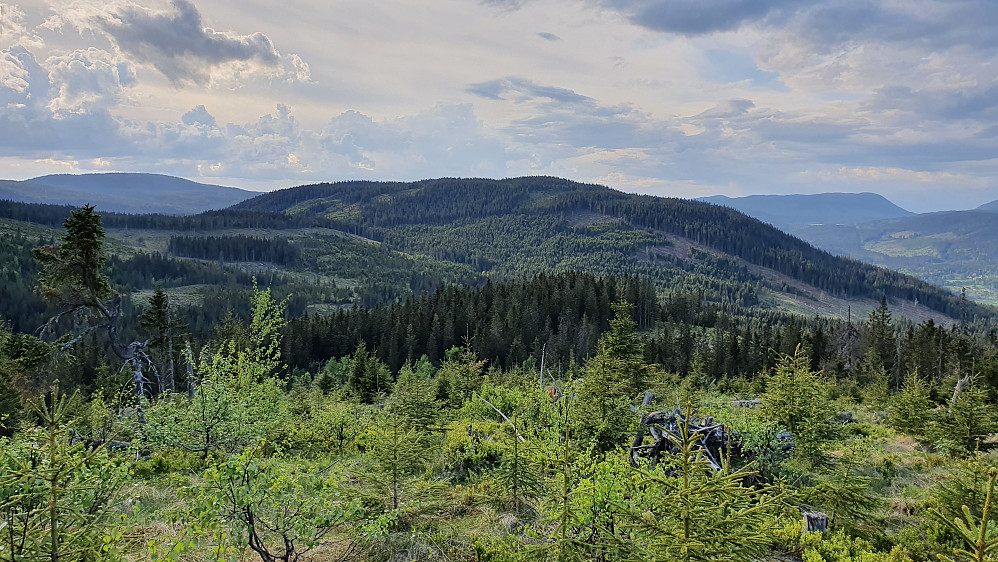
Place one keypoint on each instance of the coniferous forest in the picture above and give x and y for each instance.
(484, 371)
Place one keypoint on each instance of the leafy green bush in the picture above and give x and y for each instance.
(473, 447)
(275, 507)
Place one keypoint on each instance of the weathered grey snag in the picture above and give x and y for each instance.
(134, 353)
(960, 385)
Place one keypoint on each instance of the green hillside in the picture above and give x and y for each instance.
(955, 249)
(529, 225)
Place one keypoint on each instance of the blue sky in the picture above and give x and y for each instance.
(667, 97)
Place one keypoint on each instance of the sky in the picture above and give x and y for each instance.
(685, 98)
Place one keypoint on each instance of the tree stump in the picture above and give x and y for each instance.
(815, 522)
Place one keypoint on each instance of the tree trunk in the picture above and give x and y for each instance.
(139, 387)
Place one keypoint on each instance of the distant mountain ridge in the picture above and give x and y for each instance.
(990, 207)
(791, 212)
(124, 192)
(954, 249)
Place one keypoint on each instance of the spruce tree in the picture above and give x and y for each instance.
(167, 337)
(414, 400)
(684, 510)
(611, 379)
(399, 452)
(798, 400)
(910, 410)
(55, 497)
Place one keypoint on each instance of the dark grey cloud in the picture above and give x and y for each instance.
(933, 23)
(178, 43)
(699, 17)
(549, 36)
(971, 103)
(515, 88)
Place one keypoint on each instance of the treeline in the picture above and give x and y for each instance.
(560, 317)
(505, 323)
(369, 204)
(419, 215)
(236, 248)
(54, 216)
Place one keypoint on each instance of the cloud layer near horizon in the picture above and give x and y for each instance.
(678, 97)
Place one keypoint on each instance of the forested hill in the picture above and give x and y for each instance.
(536, 224)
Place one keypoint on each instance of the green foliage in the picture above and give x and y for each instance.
(966, 424)
(842, 490)
(798, 400)
(459, 376)
(519, 474)
(413, 399)
(237, 400)
(605, 417)
(71, 270)
(881, 341)
(399, 452)
(474, 448)
(978, 544)
(55, 498)
(911, 409)
(368, 377)
(20, 354)
(270, 506)
(168, 337)
(316, 426)
(229, 410)
(965, 483)
(334, 374)
(684, 510)
(623, 344)
(836, 546)
(611, 379)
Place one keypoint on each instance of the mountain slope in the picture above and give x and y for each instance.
(126, 193)
(991, 207)
(792, 212)
(955, 249)
(524, 225)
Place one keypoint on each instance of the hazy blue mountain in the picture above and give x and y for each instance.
(955, 249)
(991, 207)
(793, 212)
(126, 193)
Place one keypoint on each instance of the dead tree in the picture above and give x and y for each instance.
(713, 439)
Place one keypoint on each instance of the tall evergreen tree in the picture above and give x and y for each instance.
(71, 274)
(881, 342)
